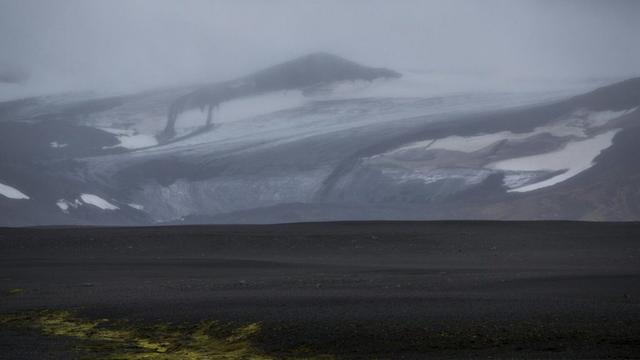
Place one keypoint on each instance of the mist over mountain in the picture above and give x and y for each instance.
(319, 138)
(12, 76)
(128, 46)
(297, 112)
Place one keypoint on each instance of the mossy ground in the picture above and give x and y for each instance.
(121, 339)
(107, 339)
(14, 291)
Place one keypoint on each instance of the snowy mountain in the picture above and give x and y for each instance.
(320, 138)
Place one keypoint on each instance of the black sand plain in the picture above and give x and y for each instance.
(349, 290)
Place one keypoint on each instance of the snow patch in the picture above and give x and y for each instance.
(575, 125)
(580, 121)
(428, 176)
(137, 141)
(136, 206)
(65, 205)
(474, 143)
(12, 193)
(62, 204)
(466, 144)
(518, 179)
(601, 118)
(98, 202)
(130, 139)
(574, 158)
(57, 145)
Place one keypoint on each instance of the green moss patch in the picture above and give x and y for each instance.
(15, 291)
(107, 339)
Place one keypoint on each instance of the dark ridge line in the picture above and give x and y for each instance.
(324, 223)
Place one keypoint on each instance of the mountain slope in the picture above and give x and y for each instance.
(320, 138)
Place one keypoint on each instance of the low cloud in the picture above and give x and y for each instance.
(135, 44)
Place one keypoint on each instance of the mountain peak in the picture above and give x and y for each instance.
(322, 66)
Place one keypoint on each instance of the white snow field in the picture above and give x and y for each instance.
(579, 149)
(577, 125)
(98, 202)
(288, 115)
(64, 204)
(58, 145)
(574, 158)
(136, 206)
(317, 118)
(130, 139)
(12, 193)
(90, 199)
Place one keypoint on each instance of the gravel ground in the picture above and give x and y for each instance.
(388, 290)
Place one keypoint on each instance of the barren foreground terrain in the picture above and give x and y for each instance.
(384, 290)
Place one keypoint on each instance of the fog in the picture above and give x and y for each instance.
(129, 45)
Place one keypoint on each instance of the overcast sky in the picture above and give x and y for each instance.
(135, 44)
